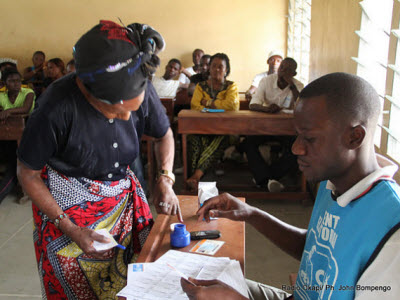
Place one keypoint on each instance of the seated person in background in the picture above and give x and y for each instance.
(184, 78)
(34, 75)
(166, 86)
(275, 92)
(353, 238)
(16, 100)
(202, 76)
(55, 70)
(274, 60)
(70, 66)
(216, 92)
(4, 64)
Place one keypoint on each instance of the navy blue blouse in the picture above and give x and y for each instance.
(66, 132)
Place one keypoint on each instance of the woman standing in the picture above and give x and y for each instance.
(74, 160)
(216, 92)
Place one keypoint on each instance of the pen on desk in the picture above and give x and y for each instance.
(180, 273)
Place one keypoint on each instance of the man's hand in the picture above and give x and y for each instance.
(209, 290)
(248, 96)
(272, 108)
(225, 206)
(165, 200)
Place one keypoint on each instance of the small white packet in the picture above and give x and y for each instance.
(104, 246)
(206, 191)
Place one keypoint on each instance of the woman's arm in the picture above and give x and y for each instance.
(198, 96)
(33, 185)
(4, 114)
(164, 151)
(230, 100)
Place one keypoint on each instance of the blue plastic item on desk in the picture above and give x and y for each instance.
(180, 237)
(212, 110)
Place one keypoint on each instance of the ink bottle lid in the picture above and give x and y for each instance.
(180, 237)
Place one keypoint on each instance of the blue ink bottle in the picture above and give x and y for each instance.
(180, 237)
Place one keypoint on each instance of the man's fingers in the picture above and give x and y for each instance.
(200, 282)
(188, 287)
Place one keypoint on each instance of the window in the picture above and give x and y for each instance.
(299, 28)
(393, 130)
(377, 41)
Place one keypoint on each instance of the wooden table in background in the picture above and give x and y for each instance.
(169, 107)
(158, 242)
(12, 128)
(243, 122)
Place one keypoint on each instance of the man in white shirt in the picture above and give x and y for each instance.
(274, 60)
(184, 78)
(166, 86)
(275, 92)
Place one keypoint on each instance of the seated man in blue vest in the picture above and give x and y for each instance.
(351, 249)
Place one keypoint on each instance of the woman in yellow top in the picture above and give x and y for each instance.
(219, 93)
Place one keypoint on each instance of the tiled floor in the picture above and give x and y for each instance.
(18, 275)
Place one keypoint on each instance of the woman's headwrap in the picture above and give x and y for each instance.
(114, 62)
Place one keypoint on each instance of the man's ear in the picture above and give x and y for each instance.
(355, 136)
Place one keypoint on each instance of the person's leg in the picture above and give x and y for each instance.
(286, 162)
(9, 159)
(258, 167)
(260, 291)
(195, 147)
(213, 152)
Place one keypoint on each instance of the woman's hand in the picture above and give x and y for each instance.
(204, 102)
(165, 200)
(84, 238)
(225, 206)
(209, 290)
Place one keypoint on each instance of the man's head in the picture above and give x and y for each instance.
(196, 56)
(287, 67)
(274, 61)
(38, 58)
(70, 66)
(7, 63)
(172, 69)
(205, 63)
(113, 62)
(335, 120)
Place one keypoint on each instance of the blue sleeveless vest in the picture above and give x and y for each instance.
(341, 240)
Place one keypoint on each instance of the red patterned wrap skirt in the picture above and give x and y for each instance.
(119, 206)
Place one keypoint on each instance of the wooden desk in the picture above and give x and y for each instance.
(12, 128)
(169, 106)
(158, 242)
(243, 122)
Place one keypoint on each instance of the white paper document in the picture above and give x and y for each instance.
(159, 281)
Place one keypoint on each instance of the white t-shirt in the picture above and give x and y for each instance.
(257, 78)
(183, 78)
(165, 88)
(268, 92)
